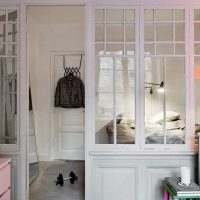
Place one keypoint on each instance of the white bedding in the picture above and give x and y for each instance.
(154, 130)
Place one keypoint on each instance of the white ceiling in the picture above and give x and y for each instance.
(57, 14)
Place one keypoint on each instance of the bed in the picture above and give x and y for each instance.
(154, 129)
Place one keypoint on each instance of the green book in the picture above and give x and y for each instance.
(181, 190)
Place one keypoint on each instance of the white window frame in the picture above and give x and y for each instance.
(189, 87)
(171, 147)
(119, 147)
(10, 148)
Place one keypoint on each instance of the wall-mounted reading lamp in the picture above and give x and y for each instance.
(150, 86)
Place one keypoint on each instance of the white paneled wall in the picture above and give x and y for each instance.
(116, 182)
(138, 177)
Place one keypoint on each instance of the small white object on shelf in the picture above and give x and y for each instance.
(185, 176)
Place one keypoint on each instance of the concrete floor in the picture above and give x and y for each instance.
(44, 187)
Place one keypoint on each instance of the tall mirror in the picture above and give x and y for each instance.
(33, 159)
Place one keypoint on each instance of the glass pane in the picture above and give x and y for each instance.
(8, 101)
(12, 50)
(197, 61)
(11, 67)
(175, 104)
(180, 31)
(114, 15)
(99, 49)
(154, 75)
(104, 122)
(12, 16)
(129, 15)
(148, 32)
(1, 84)
(7, 85)
(163, 15)
(164, 31)
(99, 15)
(114, 32)
(197, 97)
(197, 31)
(197, 49)
(3, 32)
(180, 15)
(99, 32)
(7, 121)
(125, 101)
(130, 49)
(197, 14)
(149, 49)
(1, 39)
(164, 49)
(148, 15)
(11, 33)
(104, 101)
(2, 50)
(2, 15)
(180, 49)
(131, 68)
(116, 49)
(130, 33)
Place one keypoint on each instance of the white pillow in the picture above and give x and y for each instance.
(170, 116)
(178, 124)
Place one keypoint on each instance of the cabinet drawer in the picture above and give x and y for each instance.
(6, 196)
(4, 179)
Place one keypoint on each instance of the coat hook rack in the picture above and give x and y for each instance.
(72, 70)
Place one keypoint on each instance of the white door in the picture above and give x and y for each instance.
(68, 122)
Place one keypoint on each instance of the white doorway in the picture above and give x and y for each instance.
(55, 31)
(56, 40)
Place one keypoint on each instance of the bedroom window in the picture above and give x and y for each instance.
(141, 60)
(8, 76)
(164, 74)
(115, 75)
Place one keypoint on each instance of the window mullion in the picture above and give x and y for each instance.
(154, 29)
(3, 104)
(114, 100)
(164, 99)
(105, 27)
(174, 27)
(189, 84)
(141, 96)
(124, 31)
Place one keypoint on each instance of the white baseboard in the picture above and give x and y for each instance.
(67, 155)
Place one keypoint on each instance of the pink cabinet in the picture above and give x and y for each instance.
(5, 178)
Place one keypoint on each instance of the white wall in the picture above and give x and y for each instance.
(54, 29)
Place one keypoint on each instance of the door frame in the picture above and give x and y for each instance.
(24, 62)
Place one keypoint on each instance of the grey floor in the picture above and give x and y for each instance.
(44, 188)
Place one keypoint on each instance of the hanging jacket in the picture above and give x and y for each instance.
(70, 93)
